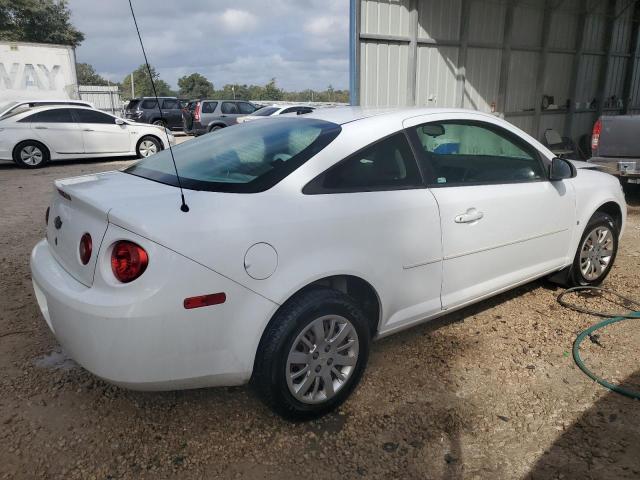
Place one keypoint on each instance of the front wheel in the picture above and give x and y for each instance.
(147, 146)
(30, 154)
(312, 354)
(596, 252)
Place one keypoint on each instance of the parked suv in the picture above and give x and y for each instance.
(145, 110)
(203, 116)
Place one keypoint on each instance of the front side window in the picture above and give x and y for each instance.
(386, 165)
(170, 104)
(209, 107)
(458, 153)
(229, 107)
(246, 108)
(265, 111)
(93, 116)
(59, 115)
(247, 158)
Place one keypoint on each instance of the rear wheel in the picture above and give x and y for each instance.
(30, 154)
(596, 251)
(312, 354)
(160, 123)
(215, 128)
(147, 146)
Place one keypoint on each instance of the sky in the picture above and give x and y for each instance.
(302, 43)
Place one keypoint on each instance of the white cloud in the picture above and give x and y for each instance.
(327, 25)
(239, 21)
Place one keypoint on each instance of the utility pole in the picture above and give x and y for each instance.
(133, 91)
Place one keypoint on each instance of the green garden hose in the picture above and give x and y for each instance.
(589, 332)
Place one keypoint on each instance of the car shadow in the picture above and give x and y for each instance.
(8, 165)
(603, 443)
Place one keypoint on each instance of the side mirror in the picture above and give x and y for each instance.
(561, 169)
(120, 121)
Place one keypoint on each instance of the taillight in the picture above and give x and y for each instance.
(197, 111)
(128, 261)
(46, 217)
(86, 246)
(595, 135)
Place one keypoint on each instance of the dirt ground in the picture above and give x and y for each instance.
(488, 392)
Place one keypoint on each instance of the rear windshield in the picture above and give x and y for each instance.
(132, 104)
(265, 111)
(246, 158)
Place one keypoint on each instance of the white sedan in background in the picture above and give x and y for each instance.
(33, 137)
(274, 110)
(304, 239)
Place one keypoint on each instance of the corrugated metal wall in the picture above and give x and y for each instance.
(502, 56)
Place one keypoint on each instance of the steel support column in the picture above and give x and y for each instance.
(463, 37)
(634, 40)
(354, 52)
(505, 63)
(606, 68)
(549, 7)
(412, 64)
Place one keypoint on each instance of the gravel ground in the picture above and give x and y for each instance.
(488, 392)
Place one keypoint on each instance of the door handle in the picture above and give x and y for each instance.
(88, 130)
(41, 128)
(472, 215)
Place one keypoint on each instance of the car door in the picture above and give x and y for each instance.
(229, 112)
(391, 222)
(101, 134)
(502, 221)
(171, 112)
(57, 129)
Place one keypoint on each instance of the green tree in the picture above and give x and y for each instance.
(88, 76)
(142, 84)
(271, 91)
(39, 21)
(195, 86)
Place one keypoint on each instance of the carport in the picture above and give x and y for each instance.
(540, 64)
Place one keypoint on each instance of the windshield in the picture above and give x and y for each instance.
(265, 111)
(245, 158)
(6, 106)
(132, 104)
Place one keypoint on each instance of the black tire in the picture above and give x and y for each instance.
(598, 220)
(160, 123)
(270, 368)
(147, 138)
(18, 157)
(214, 128)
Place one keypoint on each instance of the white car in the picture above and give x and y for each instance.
(15, 106)
(33, 137)
(304, 239)
(274, 110)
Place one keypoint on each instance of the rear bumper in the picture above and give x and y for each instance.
(140, 336)
(620, 167)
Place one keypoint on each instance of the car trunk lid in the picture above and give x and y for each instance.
(81, 205)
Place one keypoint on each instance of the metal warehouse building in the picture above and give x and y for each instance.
(541, 64)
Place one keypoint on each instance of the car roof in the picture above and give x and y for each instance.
(342, 115)
(42, 108)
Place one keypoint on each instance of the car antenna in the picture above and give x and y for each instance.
(184, 207)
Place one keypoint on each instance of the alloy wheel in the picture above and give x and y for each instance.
(322, 359)
(147, 147)
(596, 253)
(31, 155)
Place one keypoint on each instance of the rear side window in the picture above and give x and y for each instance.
(265, 111)
(59, 115)
(209, 107)
(246, 107)
(93, 116)
(170, 104)
(386, 165)
(149, 103)
(229, 107)
(461, 153)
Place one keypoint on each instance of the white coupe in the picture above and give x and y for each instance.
(33, 137)
(306, 238)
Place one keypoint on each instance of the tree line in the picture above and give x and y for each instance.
(197, 86)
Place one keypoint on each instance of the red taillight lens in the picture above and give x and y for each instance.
(595, 135)
(46, 217)
(86, 246)
(197, 111)
(128, 261)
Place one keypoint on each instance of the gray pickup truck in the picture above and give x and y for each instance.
(615, 146)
